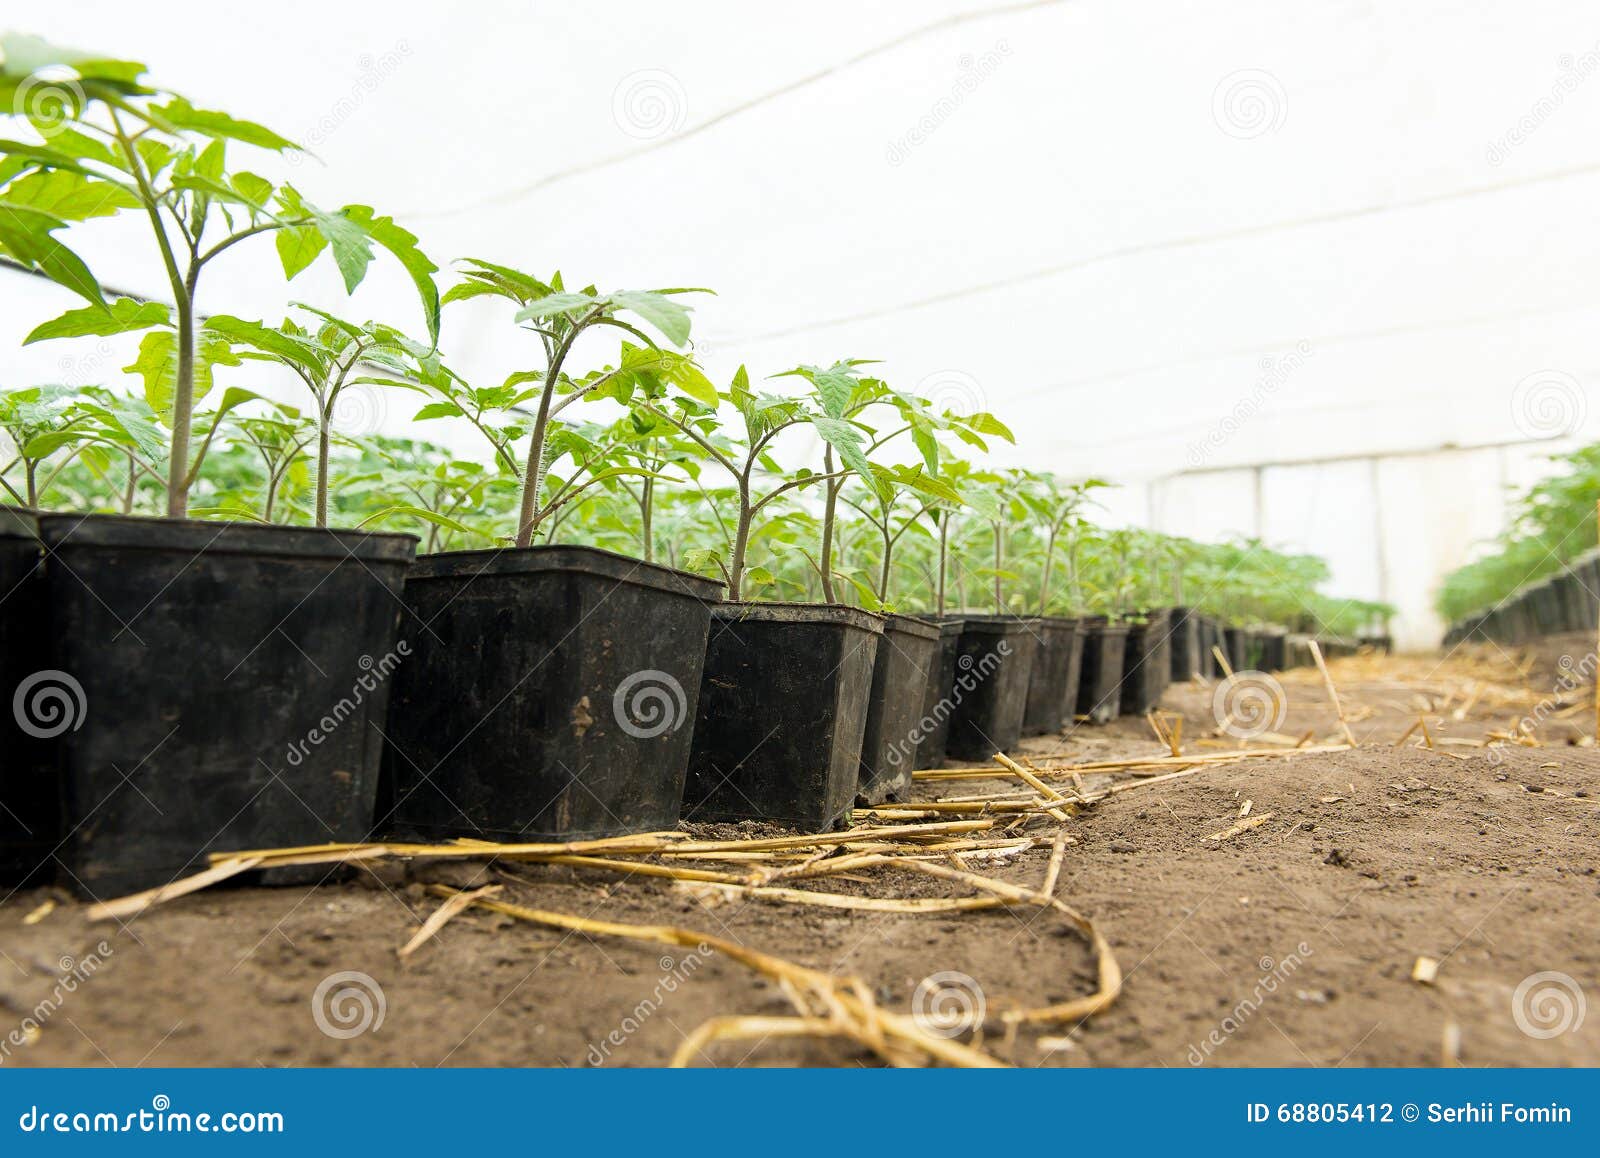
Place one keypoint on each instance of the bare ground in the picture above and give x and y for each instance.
(1292, 943)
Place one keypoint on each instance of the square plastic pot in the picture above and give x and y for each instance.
(228, 683)
(782, 714)
(994, 663)
(1186, 627)
(551, 695)
(1146, 665)
(1053, 682)
(908, 651)
(937, 707)
(1100, 687)
(30, 806)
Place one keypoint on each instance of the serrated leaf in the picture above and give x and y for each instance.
(298, 247)
(119, 317)
(403, 246)
(183, 115)
(157, 364)
(666, 315)
(68, 195)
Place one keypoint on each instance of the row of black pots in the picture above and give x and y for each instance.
(182, 688)
(1568, 601)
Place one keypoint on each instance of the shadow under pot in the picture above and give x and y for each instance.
(1053, 682)
(782, 715)
(1100, 687)
(936, 705)
(551, 696)
(908, 651)
(30, 806)
(989, 693)
(1146, 664)
(223, 688)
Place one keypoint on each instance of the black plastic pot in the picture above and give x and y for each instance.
(782, 715)
(549, 697)
(937, 707)
(908, 654)
(233, 683)
(1274, 655)
(1146, 666)
(1053, 682)
(30, 807)
(1236, 646)
(1211, 641)
(994, 663)
(1185, 627)
(1100, 686)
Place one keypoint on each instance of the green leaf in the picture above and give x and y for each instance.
(834, 388)
(352, 249)
(666, 315)
(281, 346)
(298, 247)
(183, 115)
(848, 441)
(403, 245)
(985, 423)
(157, 364)
(25, 236)
(69, 195)
(120, 317)
(555, 305)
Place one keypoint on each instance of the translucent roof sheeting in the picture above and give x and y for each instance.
(1152, 238)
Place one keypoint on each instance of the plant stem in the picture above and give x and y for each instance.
(829, 513)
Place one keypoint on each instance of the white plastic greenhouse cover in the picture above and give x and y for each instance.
(1157, 239)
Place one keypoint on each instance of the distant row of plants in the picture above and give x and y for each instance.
(822, 482)
(1551, 522)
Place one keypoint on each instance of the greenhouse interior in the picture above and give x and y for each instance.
(1051, 535)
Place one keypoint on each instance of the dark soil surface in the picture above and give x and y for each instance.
(1291, 943)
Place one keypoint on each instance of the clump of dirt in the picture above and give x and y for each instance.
(1289, 942)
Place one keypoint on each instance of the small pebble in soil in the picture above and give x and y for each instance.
(1337, 858)
(1123, 846)
(1533, 787)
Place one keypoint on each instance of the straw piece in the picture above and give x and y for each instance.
(1242, 826)
(1333, 693)
(139, 902)
(438, 918)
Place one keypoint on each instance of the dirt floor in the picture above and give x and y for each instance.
(1292, 942)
